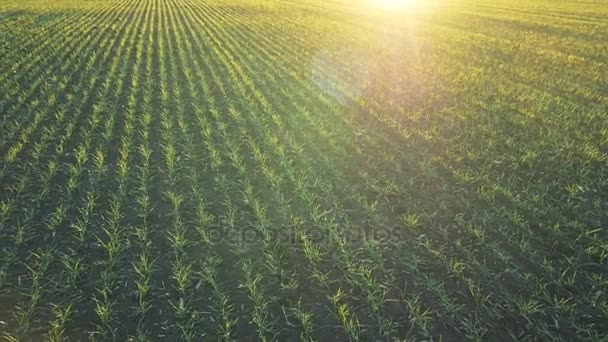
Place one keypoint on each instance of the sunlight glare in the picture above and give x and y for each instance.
(393, 4)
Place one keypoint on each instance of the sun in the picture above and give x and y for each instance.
(393, 4)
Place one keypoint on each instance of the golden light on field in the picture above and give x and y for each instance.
(393, 4)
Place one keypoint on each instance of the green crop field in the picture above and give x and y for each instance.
(304, 170)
